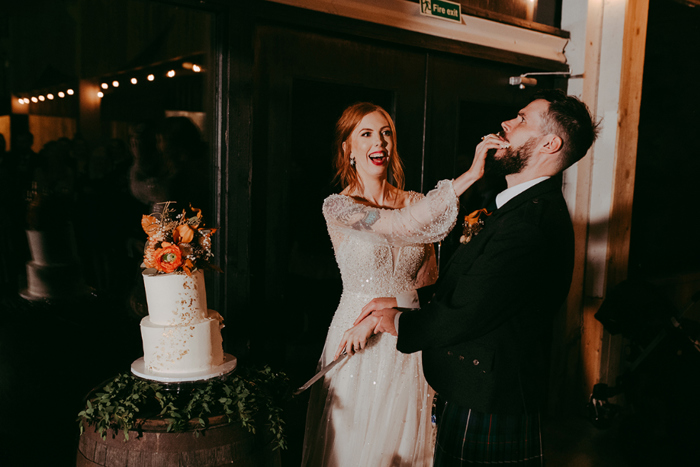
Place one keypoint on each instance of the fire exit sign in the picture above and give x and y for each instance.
(441, 9)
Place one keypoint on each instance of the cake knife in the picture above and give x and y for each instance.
(320, 374)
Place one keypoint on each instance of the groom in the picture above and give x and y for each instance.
(483, 331)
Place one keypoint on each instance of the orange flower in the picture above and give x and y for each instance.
(474, 217)
(149, 225)
(168, 258)
(183, 234)
(187, 266)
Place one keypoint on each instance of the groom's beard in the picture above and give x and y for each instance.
(512, 161)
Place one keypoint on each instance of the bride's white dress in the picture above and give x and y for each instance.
(374, 408)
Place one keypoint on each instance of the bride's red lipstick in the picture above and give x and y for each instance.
(378, 158)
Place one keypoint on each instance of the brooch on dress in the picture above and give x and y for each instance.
(473, 223)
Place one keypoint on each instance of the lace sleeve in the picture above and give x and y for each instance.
(426, 221)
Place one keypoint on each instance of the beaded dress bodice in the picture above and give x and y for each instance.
(378, 270)
(384, 252)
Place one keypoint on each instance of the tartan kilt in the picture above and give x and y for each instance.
(466, 437)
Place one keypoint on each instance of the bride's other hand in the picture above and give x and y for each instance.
(376, 304)
(355, 338)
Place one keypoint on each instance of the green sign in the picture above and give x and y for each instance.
(441, 9)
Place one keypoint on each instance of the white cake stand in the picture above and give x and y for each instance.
(139, 369)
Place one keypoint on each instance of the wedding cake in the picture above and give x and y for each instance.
(54, 271)
(181, 336)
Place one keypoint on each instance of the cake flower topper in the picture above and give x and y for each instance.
(177, 243)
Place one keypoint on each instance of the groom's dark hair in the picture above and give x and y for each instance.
(570, 119)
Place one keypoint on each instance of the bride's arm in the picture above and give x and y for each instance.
(426, 221)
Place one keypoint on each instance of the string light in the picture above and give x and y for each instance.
(195, 68)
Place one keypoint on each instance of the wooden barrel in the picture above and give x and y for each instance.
(221, 444)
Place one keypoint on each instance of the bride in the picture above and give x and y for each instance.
(374, 408)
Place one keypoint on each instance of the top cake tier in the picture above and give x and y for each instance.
(175, 299)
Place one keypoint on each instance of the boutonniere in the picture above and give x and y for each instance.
(473, 223)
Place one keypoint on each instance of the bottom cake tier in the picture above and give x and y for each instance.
(188, 348)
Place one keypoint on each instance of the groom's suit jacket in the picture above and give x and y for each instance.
(484, 333)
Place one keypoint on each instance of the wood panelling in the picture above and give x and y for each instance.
(633, 48)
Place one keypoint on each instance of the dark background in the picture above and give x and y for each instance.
(288, 76)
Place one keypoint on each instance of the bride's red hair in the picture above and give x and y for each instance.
(351, 117)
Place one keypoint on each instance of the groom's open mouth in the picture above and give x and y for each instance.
(378, 158)
(502, 135)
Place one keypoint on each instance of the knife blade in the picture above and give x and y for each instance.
(321, 373)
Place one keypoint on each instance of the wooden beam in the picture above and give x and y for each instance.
(398, 22)
(581, 310)
(633, 48)
(634, 44)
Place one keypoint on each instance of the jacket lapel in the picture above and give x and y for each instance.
(549, 187)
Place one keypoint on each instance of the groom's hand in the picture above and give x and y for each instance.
(376, 304)
(386, 321)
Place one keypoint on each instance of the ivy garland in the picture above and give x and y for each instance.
(248, 396)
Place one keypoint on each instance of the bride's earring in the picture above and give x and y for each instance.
(352, 162)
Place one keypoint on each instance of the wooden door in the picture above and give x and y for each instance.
(304, 80)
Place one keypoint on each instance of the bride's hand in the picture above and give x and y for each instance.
(376, 304)
(476, 171)
(355, 338)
